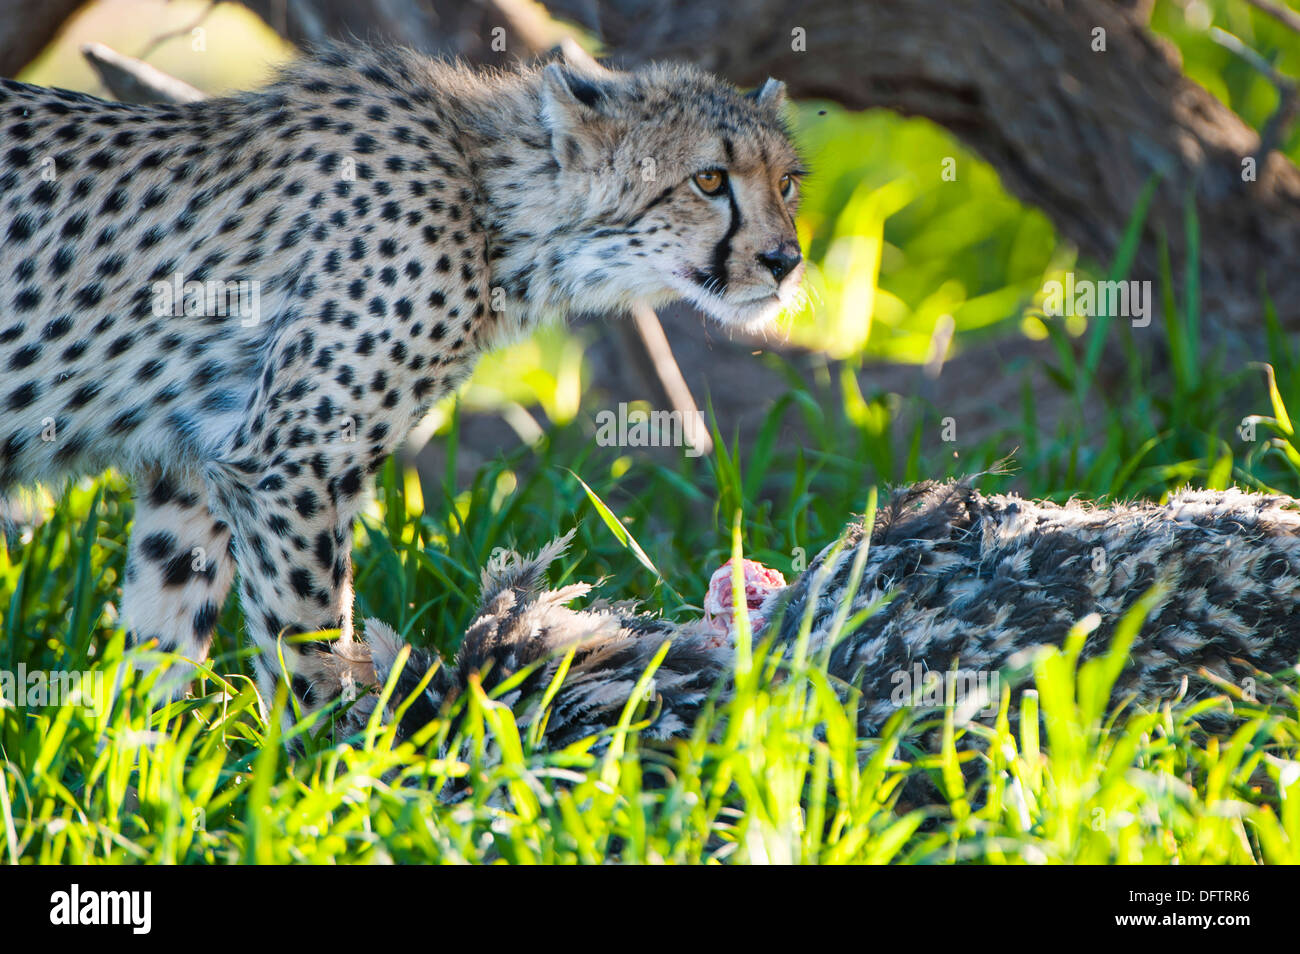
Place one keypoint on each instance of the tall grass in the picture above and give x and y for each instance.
(776, 773)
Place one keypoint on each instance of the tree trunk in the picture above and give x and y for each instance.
(479, 31)
(26, 28)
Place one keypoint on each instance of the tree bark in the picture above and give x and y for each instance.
(484, 32)
(26, 28)
(135, 81)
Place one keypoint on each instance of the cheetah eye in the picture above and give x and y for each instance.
(710, 181)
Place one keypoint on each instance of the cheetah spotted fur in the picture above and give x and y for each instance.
(947, 576)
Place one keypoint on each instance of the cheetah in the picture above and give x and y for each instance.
(952, 576)
(245, 303)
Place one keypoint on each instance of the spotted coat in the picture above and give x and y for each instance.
(245, 303)
(954, 578)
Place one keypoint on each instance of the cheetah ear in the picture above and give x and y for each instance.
(574, 92)
(573, 111)
(568, 52)
(771, 95)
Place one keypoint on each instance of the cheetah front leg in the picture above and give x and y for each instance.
(292, 540)
(178, 572)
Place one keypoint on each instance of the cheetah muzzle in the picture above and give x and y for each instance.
(246, 303)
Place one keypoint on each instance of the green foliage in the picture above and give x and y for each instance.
(903, 226)
(1236, 83)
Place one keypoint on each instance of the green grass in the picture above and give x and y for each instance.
(778, 773)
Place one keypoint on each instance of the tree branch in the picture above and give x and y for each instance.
(135, 81)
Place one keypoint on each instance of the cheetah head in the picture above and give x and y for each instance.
(680, 186)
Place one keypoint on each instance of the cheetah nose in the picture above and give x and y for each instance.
(782, 260)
